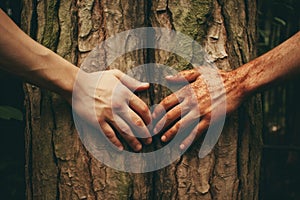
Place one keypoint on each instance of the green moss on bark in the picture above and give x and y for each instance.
(51, 29)
(191, 18)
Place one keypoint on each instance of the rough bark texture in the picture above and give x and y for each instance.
(57, 164)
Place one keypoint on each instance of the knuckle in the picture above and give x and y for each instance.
(181, 97)
(167, 98)
(177, 126)
(189, 141)
(165, 101)
(114, 141)
(171, 133)
(110, 135)
(158, 109)
(117, 105)
(169, 116)
(144, 109)
(191, 102)
(139, 122)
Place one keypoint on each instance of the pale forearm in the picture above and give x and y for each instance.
(275, 66)
(24, 57)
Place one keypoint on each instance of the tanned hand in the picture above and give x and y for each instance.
(184, 108)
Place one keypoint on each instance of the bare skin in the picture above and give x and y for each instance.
(24, 57)
(116, 106)
(275, 66)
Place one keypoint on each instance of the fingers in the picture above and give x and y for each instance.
(130, 82)
(137, 115)
(182, 124)
(167, 103)
(140, 108)
(168, 119)
(184, 76)
(126, 133)
(110, 134)
(196, 132)
(138, 125)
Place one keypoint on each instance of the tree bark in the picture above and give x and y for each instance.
(57, 164)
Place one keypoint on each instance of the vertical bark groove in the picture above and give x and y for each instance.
(57, 164)
(94, 193)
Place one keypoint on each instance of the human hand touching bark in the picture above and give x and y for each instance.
(275, 66)
(192, 104)
(40, 66)
(112, 104)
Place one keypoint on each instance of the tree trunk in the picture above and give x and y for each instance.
(57, 164)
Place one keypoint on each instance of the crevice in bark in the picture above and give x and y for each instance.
(170, 14)
(91, 175)
(229, 46)
(122, 11)
(55, 159)
(247, 13)
(28, 133)
(213, 168)
(103, 30)
(106, 178)
(57, 168)
(33, 21)
(131, 188)
(51, 32)
(28, 145)
(162, 182)
(177, 166)
(149, 58)
(241, 113)
(57, 22)
(74, 20)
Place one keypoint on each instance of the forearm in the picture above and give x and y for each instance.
(275, 66)
(34, 63)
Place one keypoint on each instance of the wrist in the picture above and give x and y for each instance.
(246, 84)
(68, 82)
(59, 75)
(235, 88)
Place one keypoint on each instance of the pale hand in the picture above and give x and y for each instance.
(116, 106)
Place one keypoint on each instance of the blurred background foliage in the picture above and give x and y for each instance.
(12, 183)
(280, 176)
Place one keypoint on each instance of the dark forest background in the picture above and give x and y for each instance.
(280, 176)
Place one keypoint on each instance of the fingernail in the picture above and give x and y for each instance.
(138, 147)
(148, 141)
(169, 76)
(144, 84)
(182, 146)
(163, 138)
(121, 148)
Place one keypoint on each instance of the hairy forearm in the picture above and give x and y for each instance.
(275, 66)
(22, 56)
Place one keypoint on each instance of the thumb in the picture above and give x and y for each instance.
(130, 82)
(184, 76)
